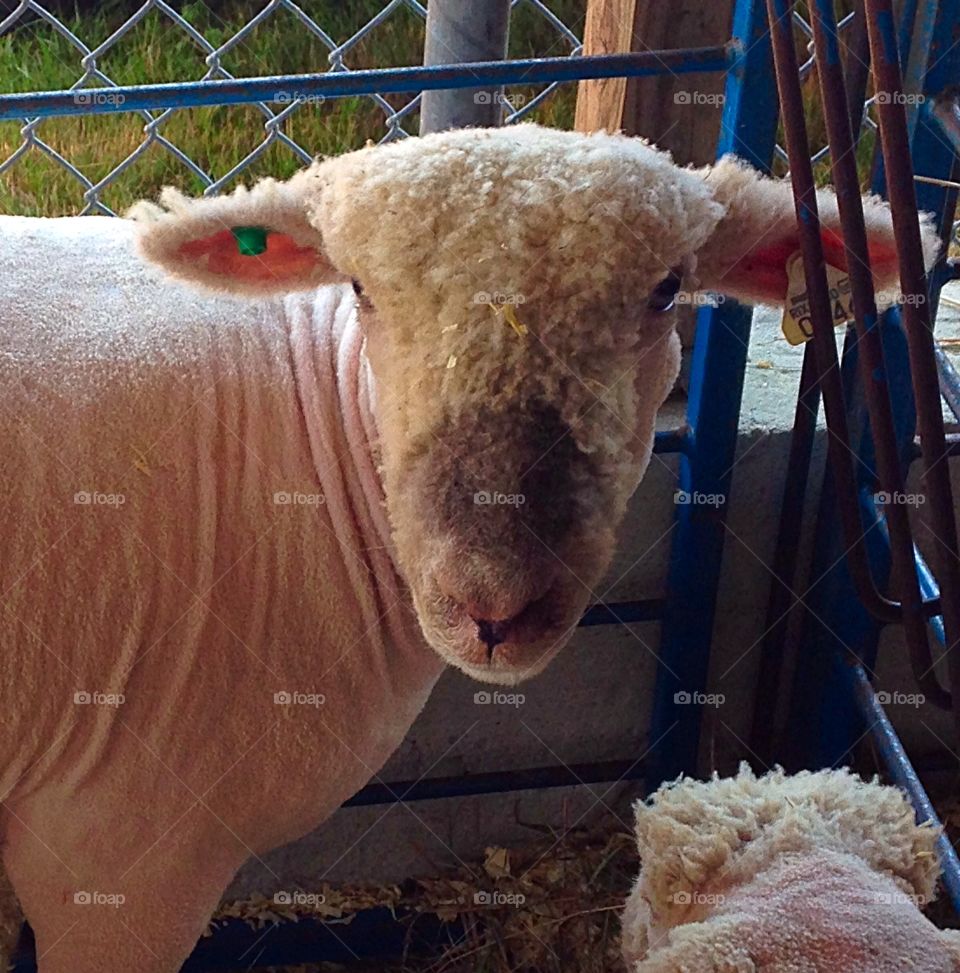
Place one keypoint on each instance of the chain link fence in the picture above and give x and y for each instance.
(856, 65)
(94, 84)
(804, 34)
(394, 117)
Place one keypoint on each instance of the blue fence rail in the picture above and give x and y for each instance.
(236, 91)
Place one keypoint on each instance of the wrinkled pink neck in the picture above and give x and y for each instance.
(337, 393)
(358, 399)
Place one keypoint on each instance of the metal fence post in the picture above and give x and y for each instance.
(717, 370)
(821, 729)
(460, 32)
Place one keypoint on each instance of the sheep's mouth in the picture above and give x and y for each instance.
(504, 651)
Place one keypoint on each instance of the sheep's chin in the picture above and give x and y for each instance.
(454, 639)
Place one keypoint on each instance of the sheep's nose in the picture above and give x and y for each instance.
(491, 633)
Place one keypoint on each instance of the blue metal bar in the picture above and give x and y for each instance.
(499, 782)
(822, 725)
(930, 589)
(933, 154)
(339, 84)
(940, 517)
(822, 728)
(946, 112)
(916, 40)
(372, 935)
(887, 449)
(903, 774)
(672, 440)
(928, 583)
(748, 128)
(949, 381)
(623, 613)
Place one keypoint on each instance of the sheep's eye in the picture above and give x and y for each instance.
(357, 287)
(662, 296)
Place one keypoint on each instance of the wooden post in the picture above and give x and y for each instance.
(680, 113)
(609, 29)
(676, 112)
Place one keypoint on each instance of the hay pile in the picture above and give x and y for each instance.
(549, 907)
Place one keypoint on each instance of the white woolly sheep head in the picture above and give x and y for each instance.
(514, 287)
(814, 871)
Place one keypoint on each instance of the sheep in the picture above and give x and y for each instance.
(811, 873)
(244, 532)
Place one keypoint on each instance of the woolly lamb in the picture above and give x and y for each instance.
(812, 873)
(241, 538)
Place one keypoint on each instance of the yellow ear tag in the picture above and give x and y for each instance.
(509, 314)
(797, 324)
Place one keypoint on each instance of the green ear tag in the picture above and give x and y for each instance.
(251, 240)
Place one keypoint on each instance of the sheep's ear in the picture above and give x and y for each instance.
(746, 256)
(257, 241)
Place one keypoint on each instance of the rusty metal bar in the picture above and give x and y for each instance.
(873, 370)
(783, 597)
(919, 329)
(856, 52)
(838, 443)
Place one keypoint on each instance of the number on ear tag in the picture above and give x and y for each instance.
(797, 323)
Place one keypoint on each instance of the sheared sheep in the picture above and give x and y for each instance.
(236, 531)
(812, 873)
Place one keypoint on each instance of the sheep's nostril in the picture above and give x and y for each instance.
(491, 634)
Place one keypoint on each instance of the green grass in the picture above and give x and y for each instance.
(34, 56)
